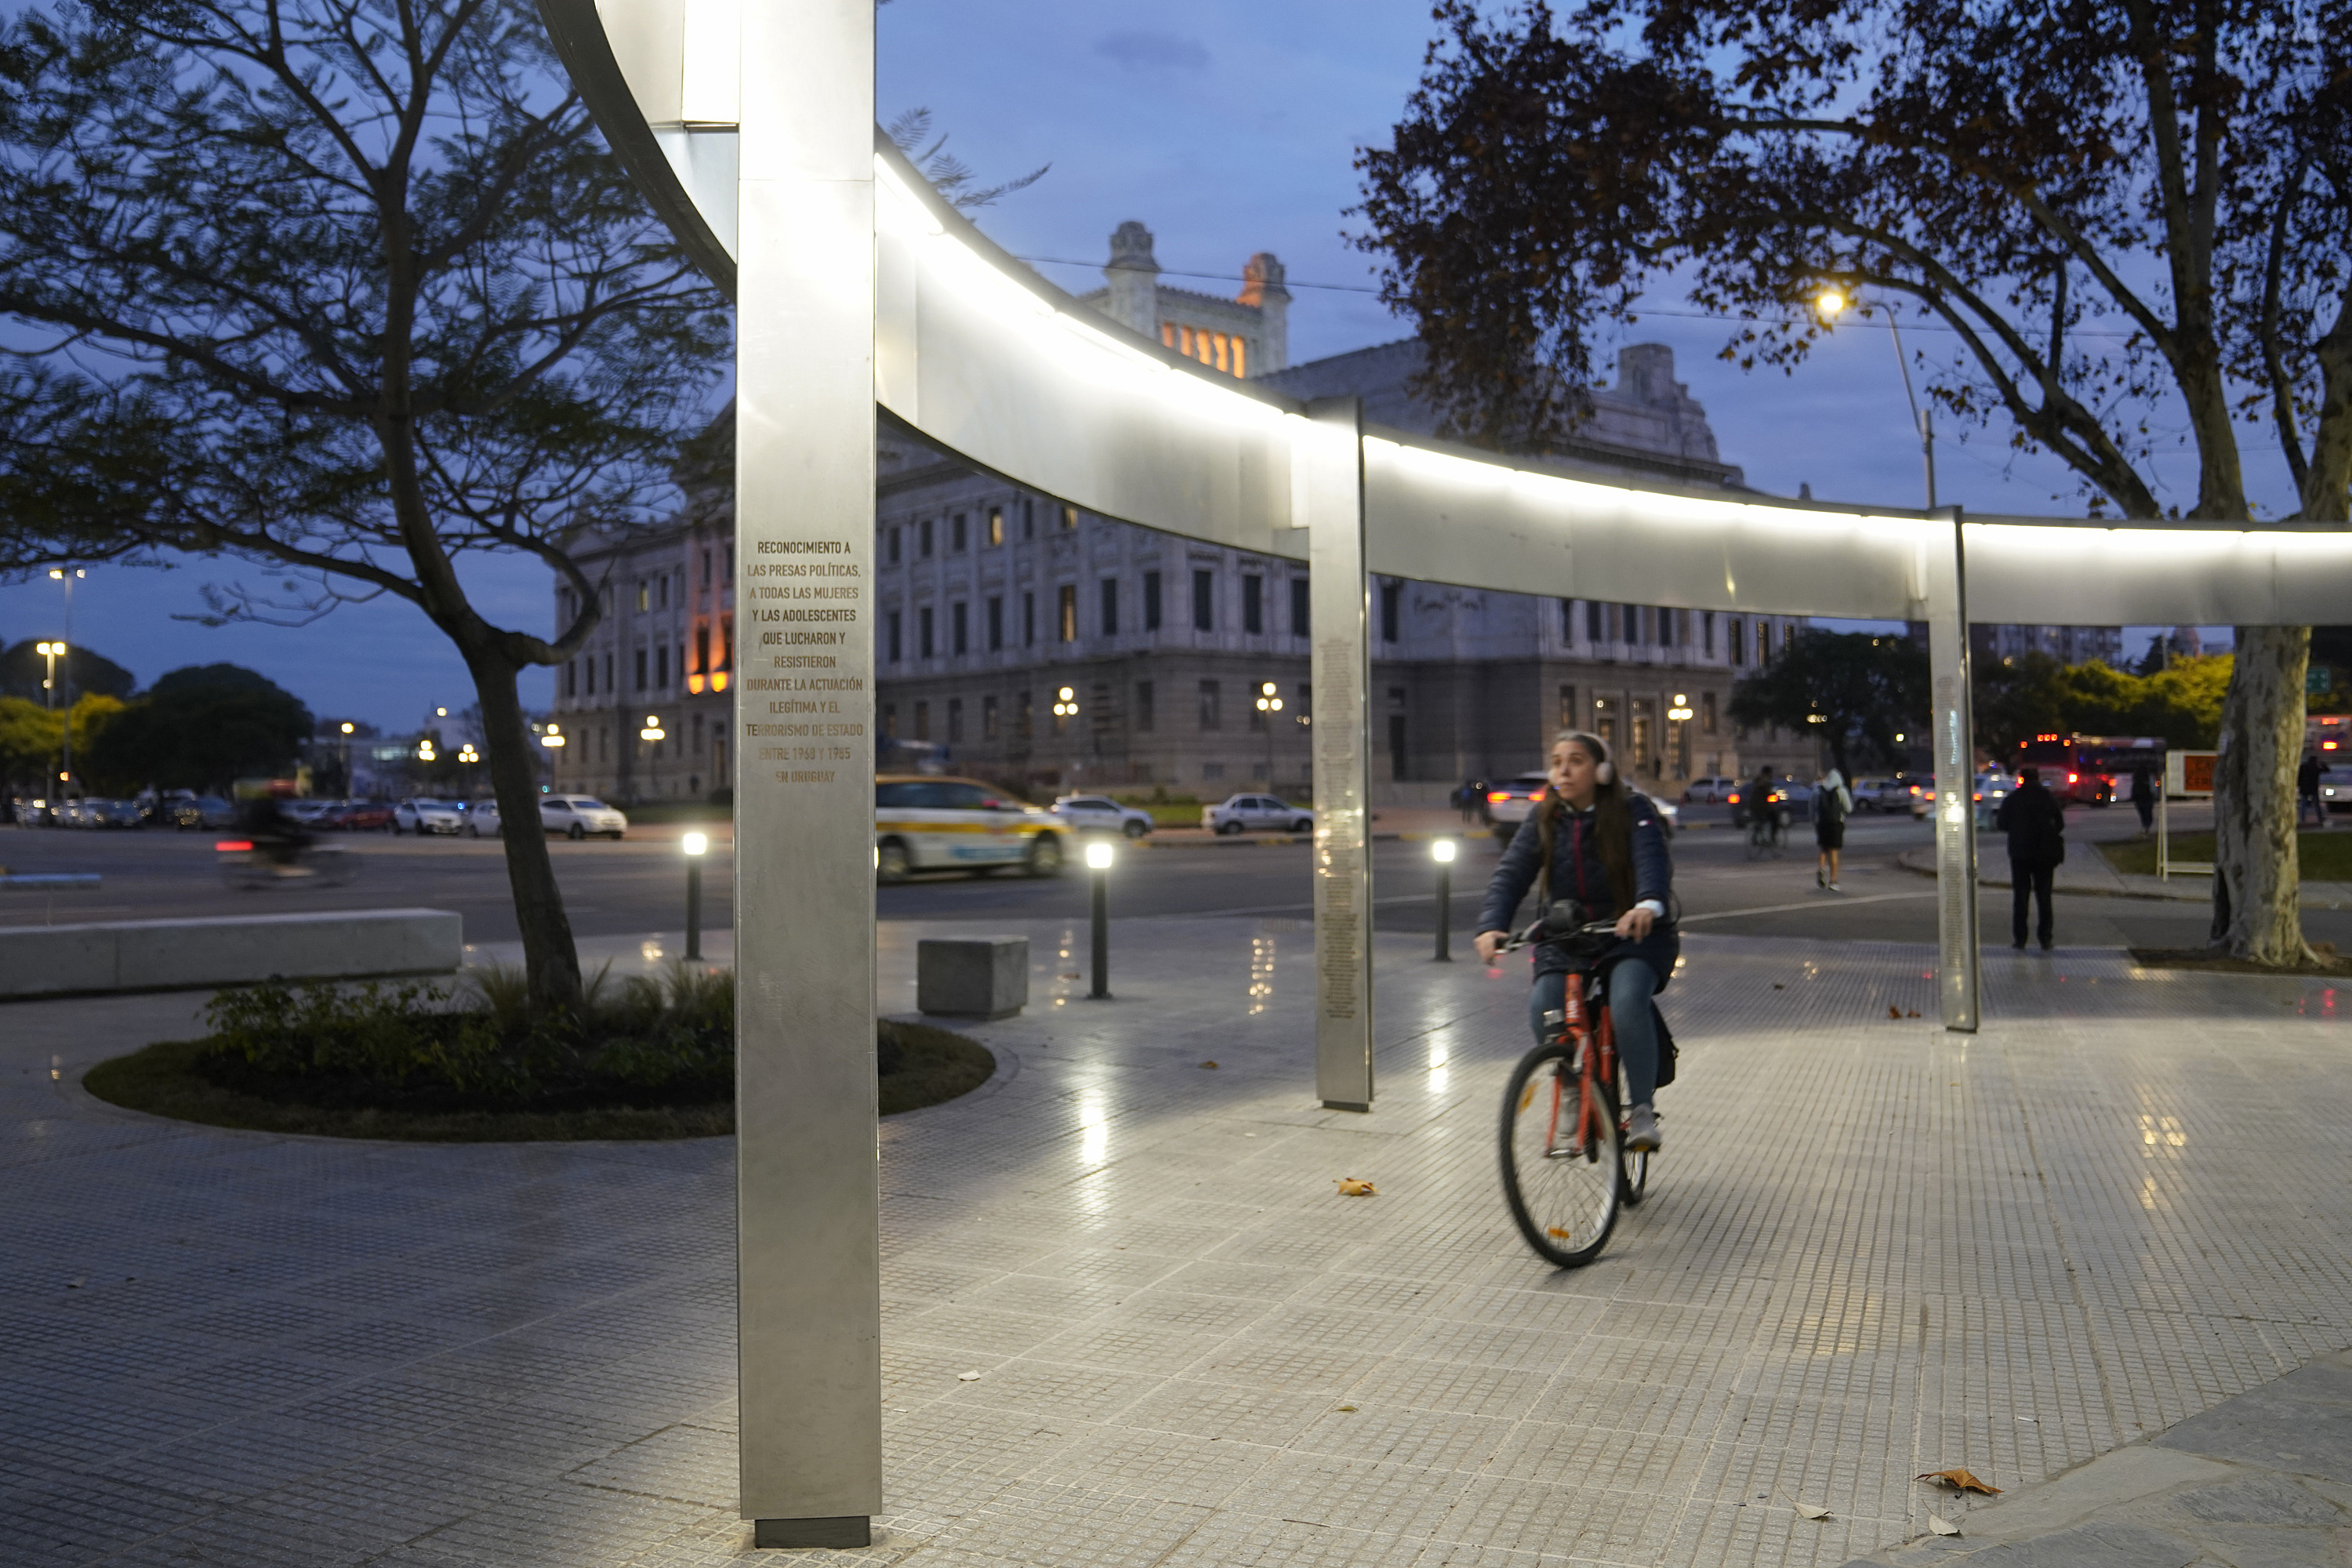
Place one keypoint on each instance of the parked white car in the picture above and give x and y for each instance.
(1101, 814)
(1257, 814)
(2334, 789)
(573, 815)
(1709, 791)
(423, 815)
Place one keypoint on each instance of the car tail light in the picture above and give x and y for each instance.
(1732, 799)
(234, 846)
(1497, 797)
(2074, 778)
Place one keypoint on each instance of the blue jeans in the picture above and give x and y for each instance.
(1631, 983)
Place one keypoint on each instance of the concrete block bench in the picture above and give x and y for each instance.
(174, 955)
(971, 976)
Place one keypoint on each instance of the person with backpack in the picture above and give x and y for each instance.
(2036, 825)
(1832, 804)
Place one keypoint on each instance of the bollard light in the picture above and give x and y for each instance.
(1099, 857)
(694, 845)
(1442, 852)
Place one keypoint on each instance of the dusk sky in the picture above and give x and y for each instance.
(1228, 128)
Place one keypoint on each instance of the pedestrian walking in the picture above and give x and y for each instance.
(2143, 799)
(1832, 804)
(2036, 825)
(2306, 790)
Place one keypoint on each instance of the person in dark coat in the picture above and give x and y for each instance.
(2306, 790)
(1593, 839)
(2036, 825)
(2143, 799)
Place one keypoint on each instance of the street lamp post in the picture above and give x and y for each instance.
(1268, 705)
(1832, 303)
(1678, 715)
(1099, 858)
(1065, 708)
(1442, 853)
(694, 845)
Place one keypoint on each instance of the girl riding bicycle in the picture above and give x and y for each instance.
(1595, 840)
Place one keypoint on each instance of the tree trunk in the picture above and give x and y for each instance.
(550, 961)
(2257, 882)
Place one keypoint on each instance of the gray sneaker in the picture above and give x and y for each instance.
(1642, 1131)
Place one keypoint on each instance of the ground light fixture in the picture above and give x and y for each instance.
(1442, 852)
(553, 739)
(695, 845)
(653, 730)
(1099, 858)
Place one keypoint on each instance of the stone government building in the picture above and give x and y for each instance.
(1043, 645)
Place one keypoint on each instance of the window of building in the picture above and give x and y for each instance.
(955, 719)
(1211, 713)
(1568, 620)
(1069, 518)
(1253, 604)
(1205, 602)
(988, 718)
(891, 625)
(1706, 721)
(995, 525)
(1763, 642)
(571, 677)
(663, 590)
(923, 538)
(1028, 619)
(608, 674)
(1151, 601)
(706, 557)
(1300, 619)
(1788, 636)
(1568, 715)
(1066, 617)
(1028, 517)
(890, 720)
(645, 595)
(1735, 639)
(1706, 630)
(957, 543)
(1110, 606)
(1023, 717)
(996, 624)
(1669, 629)
(924, 647)
(1594, 629)
(1146, 717)
(960, 618)
(1391, 609)
(922, 721)
(661, 666)
(891, 540)
(641, 669)
(1604, 721)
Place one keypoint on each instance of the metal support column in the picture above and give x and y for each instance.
(807, 1161)
(1955, 743)
(1327, 495)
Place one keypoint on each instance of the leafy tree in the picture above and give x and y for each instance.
(30, 738)
(350, 289)
(2037, 694)
(2133, 218)
(202, 728)
(1856, 691)
(22, 672)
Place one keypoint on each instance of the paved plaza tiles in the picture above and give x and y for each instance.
(1872, 1249)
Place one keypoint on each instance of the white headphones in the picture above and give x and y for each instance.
(1603, 770)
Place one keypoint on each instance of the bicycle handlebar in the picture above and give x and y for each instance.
(1535, 933)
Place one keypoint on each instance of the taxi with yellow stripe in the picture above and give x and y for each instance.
(924, 822)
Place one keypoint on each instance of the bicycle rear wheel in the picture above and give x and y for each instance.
(1636, 1164)
(1564, 1191)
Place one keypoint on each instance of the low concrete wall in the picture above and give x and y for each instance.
(171, 956)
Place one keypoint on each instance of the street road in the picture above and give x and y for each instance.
(638, 885)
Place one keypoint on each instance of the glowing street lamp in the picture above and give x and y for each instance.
(1269, 704)
(52, 651)
(653, 730)
(1832, 303)
(552, 740)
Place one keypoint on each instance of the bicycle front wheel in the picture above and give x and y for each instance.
(1562, 1161)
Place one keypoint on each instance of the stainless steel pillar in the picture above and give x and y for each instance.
(1955, 741)
(807, 1161)
(1328, 491)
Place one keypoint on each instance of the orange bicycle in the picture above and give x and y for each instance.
(1565, 1171)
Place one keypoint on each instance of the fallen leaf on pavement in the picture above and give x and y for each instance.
(1942, 1526)
(1208, 1064)
(1778, 986)
(1351, 1188)
(1812, 1510)
(966, 1377)
(1913, 1013)
(1893, 1011)
(1347, 1407)
(1959, 1482)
